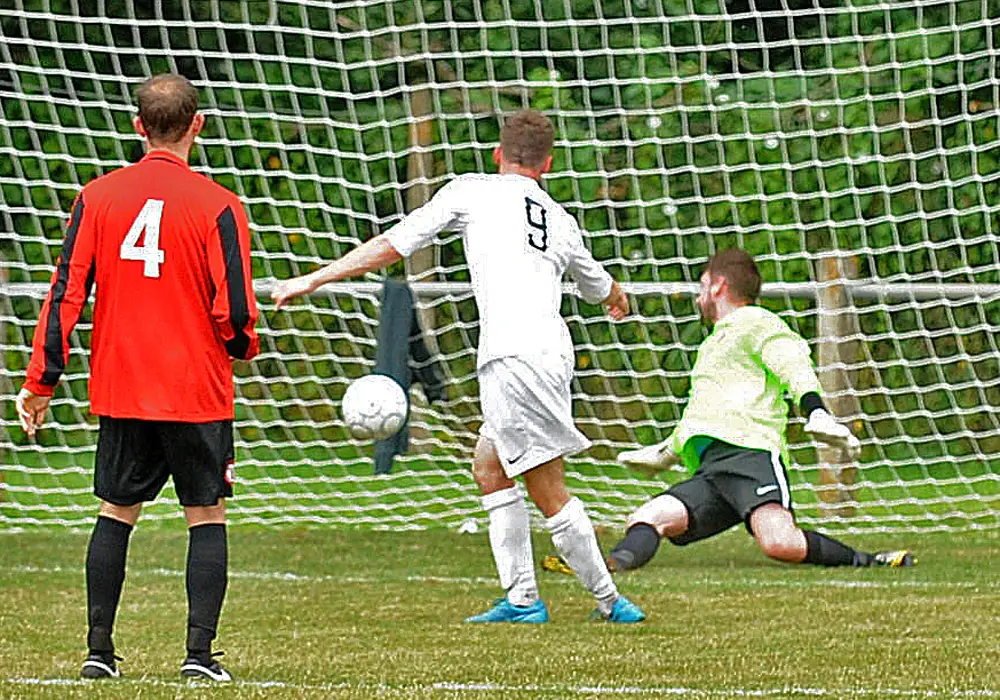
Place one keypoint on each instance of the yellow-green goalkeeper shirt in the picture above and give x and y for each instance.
(741, 376)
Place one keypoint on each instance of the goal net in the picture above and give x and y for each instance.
(850, 146)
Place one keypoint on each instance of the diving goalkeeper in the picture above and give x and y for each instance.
(731, 436)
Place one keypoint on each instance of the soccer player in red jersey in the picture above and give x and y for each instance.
(169, 251)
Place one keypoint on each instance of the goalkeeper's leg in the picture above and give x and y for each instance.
(774, 528)
(663, 516)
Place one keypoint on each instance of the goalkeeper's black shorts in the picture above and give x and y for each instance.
(731, 483)
(135, 458)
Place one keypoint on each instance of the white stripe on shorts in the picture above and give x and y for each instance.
(779, 475)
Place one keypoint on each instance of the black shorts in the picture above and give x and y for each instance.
(135, 457)
(731, 483)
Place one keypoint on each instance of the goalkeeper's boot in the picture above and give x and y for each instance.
(557, 565)
(204, 667)
(100, 664)
(897, 558)
(624, 611)
(505, 611)
(616, 562)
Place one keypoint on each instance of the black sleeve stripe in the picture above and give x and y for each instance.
(239, 313)
(55, 360)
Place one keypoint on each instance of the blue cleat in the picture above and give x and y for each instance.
(623, 611)
(504, 611)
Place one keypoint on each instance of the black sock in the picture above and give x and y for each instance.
(206, 586)
(105, 576)
(638, 547)
(827, 551)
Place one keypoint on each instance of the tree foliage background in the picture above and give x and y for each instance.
(799, 130)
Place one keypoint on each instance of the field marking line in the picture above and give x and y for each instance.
(671, 691)
(287, 576)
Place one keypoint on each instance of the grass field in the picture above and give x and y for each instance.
(359, 614)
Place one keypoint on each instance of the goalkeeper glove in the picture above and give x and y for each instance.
(824, 428)
(651, 459)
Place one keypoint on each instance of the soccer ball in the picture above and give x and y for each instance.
(374, 407)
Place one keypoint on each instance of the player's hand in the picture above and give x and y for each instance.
(616, 302)
(286, 290)
(823, 427)
(31, 410)
(652, 459)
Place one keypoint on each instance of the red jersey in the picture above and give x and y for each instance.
(169, 251)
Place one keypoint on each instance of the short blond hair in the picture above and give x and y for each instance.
(527, 138)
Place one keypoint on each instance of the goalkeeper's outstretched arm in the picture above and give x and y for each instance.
(787, 357)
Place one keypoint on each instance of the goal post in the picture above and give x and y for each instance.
(797, 130)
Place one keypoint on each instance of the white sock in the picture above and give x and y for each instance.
(573, 535)
(510, 539)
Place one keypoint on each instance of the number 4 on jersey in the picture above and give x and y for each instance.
(149, 253)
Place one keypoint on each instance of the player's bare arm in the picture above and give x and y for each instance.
(371, 255)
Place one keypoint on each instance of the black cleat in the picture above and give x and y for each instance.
(100, 665)
(897, 558)
(203, 667)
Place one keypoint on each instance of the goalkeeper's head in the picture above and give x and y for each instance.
(525, 144)
(730, 280)
(168, 111)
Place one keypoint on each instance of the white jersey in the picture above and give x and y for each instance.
(519, 242)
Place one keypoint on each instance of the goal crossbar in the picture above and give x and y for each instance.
(855, 289)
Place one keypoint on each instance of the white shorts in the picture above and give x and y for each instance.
(527, 411)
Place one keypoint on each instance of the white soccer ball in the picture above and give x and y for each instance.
(374, 407)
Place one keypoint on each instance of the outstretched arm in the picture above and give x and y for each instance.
(371, 255)
(414, 232)
(594, 282)
(787, 357)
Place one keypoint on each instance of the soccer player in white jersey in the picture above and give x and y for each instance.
(731, 436)
(518, 244)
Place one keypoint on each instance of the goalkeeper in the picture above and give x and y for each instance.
(731, 436)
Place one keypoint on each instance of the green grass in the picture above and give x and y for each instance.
(378, 614)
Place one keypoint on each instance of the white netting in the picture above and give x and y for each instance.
(832, 139)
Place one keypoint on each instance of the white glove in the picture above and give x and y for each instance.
(651, 459)
(824, 428)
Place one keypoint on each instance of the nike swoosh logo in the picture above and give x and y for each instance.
(761, 490)
(513, 460)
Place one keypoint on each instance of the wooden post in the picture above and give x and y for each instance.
(836, 324)
(6, 386)
(419, 167)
